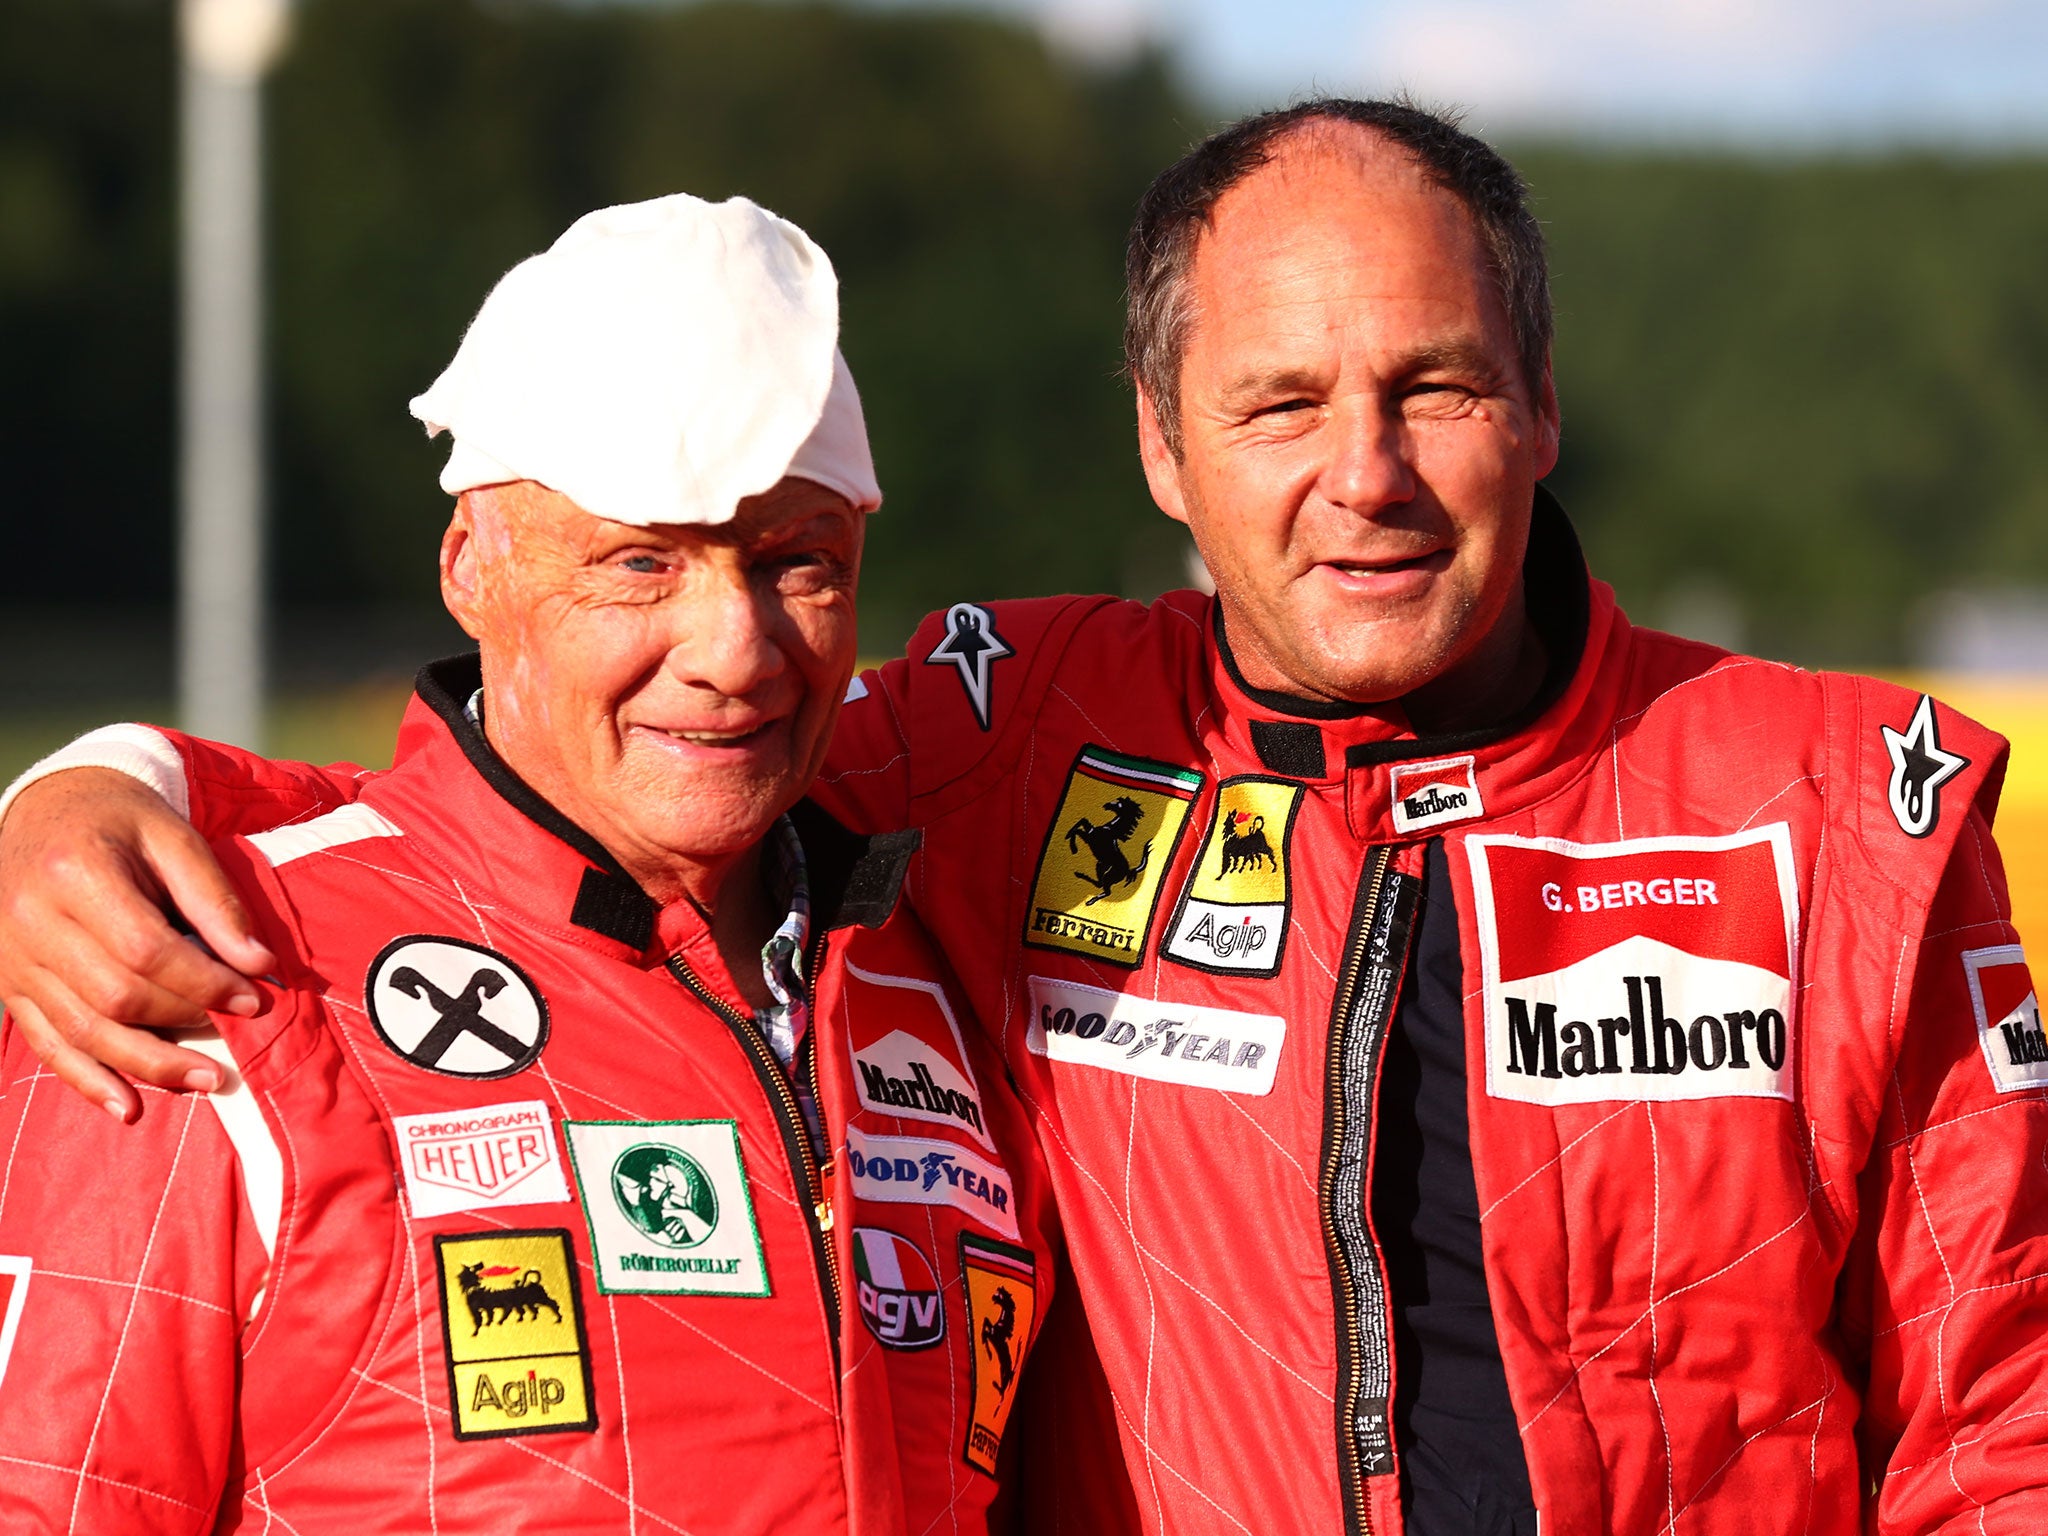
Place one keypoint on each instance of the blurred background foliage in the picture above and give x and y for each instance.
(1800, 395)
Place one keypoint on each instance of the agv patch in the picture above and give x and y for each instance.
(1233, 914)
(897, 1287)
(512, 1330)
(669, 1209)
(14, 1271)
(1106, 855)
(1002, 1304)
(2008, 1017)
(1658, 968)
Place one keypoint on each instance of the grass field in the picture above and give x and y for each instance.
(359, 725)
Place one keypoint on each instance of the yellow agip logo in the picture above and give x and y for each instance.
(512, 1324)
(1106, 855)
(1233, 914)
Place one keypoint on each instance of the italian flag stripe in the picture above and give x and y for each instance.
(879, 1264)
(1114, 765)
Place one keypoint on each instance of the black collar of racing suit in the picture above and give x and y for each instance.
(1555, 590)
(854, 879)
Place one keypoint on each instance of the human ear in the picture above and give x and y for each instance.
(1162, 466)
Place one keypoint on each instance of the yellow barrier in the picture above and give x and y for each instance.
(2016, 708)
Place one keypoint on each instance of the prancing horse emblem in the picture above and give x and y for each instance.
(455, 1008)
(1106, 842)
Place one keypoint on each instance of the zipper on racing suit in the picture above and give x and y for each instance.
(796, 1134)
(1368, 988)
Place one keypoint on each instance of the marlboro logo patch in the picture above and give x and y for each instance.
(668, 1206)
(1659, 968)
(1233, 915)
(14, 1269)
(909, 1057)
(1106, 855)
(1430, 794)
(2008, 1017)
(478, 1159)
(1002, 1304)
(512, 1327)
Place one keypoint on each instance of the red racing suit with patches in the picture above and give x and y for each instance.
(1765, 1245)
(862, 1393)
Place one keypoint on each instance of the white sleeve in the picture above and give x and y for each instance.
(135, 750)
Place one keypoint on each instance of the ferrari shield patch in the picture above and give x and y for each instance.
(1233, 915)
(1002, 1304)
(512, 1327)
(1106, 855)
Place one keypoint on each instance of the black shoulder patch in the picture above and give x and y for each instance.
(1292, 747)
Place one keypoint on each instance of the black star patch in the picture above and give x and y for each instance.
(1920, 766)
(973, 647)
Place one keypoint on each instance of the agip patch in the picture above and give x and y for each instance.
(668, 1206)
(1659, 968)
(1233, 914)
(512, 1331)
(1002, 1304)
(1106, 855)
(2008, 1017)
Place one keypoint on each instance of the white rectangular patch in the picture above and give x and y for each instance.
(14, 1270)
(480, 1159)
(915, 1170)
(2008, 1017)
(1430, 794)
(1659, 968)
(1167, 1042)
(350, 824)
(668, 1207)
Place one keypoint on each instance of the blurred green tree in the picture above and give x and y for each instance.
(1818, 389)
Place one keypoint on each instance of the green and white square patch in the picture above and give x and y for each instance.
(668, 1206)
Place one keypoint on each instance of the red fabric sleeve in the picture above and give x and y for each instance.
(117, 1397)
(236, 792)
(1947, 1285)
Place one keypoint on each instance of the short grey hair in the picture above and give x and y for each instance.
(1181, 201)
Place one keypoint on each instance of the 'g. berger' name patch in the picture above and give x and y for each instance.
(1658, 968)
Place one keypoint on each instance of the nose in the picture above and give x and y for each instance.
(724, 635)
(1368, 469)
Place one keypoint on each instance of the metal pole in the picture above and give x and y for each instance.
(227, 45)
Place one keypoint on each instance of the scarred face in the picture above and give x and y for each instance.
(669, 689)
(1360, 446)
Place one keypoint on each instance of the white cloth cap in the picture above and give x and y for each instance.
(659, 363)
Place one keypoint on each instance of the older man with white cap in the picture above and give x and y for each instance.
(521, 1209)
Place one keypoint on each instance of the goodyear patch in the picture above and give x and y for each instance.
(1233, 914)
(1002, 1304)
(668, 1206)
(1106, 855)
(14, 1271)
(918, 1170)
(512, 1331)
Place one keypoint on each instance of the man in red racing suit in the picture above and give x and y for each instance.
(617, 1270)
(1623, 1103)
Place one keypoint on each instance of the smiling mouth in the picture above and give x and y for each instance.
(1434, 560)
(712, 738)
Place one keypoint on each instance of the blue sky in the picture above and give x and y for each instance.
(1798, 72)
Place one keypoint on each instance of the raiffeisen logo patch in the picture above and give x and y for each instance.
(1659, 968)
(909, 1058)
(1430, 794)
(2008, 1017)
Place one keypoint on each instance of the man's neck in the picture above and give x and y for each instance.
(1491, 685)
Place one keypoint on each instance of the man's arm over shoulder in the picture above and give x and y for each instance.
(128, 1261)
(932, 729)
(1948, 1281)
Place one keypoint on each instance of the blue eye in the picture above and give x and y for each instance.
(645, 565)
